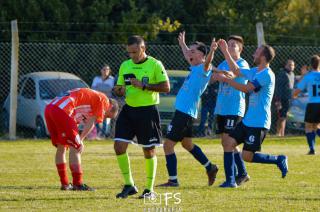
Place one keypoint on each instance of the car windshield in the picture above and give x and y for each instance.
(51, 88)
(175, 85)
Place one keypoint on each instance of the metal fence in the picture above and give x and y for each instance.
(85, 61)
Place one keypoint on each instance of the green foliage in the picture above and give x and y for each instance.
(112, 21)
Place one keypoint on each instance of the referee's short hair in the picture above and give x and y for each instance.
(135, 39)
(315, 62)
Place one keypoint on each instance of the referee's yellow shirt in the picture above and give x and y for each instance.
(151, 71)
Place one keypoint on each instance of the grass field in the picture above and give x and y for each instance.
(28, 180)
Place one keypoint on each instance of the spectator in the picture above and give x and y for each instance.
(103, 83)
(284, 88)
(208, 103)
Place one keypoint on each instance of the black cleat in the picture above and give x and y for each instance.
(67, 187)
(311, 152)
(148, 194)
(242, 179)
(82, 187)
(228, 185)
(169, 184)
(127, 191)
(212, 174)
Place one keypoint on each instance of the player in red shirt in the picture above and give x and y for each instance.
(63, 114)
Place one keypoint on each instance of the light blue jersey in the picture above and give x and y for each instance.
(311, 82)
(189, 94)
(231, 101)
(259, 110)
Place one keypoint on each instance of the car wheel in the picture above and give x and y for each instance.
(40, 128)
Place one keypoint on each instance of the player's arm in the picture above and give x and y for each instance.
(302, 85)
(246, 88)
(87, 127)
(232, 64)
(119, 90)
(162, 87)
(209, 58)
(184, 47)
(296, 93)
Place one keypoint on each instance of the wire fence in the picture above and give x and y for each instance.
(86, 60)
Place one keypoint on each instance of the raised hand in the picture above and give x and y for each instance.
(214, 44)
(181, 38)
(223, 45)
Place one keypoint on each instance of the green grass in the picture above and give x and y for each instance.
(28, 180)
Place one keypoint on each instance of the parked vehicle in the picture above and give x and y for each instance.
(35, 91)
(295, 120)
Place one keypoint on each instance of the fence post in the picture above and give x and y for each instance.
(260, 34)
(14, 79)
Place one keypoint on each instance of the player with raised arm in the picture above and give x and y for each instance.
(253, 128)
(62, 114)
(180, 128)
(311, 82)
(231, 105)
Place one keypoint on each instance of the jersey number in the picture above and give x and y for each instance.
(230, 122)
(315, 90)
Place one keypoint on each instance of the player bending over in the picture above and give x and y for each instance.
(62, 115)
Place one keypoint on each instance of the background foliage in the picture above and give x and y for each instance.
(111, 21)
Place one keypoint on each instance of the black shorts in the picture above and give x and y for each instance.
(180, 127)
(252, 137)
(226, 124)
(312, 114)
(142, 122)
(285, 104)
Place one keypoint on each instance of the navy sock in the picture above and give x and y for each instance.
(264, 158)
(201, 157)
(172, 167)
(318, 132)
(240, 164)
(311, 138)
(228, 158)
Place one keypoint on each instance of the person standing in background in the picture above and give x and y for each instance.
(283, 94)
(208, 103)
(104, 83)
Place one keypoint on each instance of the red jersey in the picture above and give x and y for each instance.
(81, 103)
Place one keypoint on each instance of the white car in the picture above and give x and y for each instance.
(295, 120)
(35, 91)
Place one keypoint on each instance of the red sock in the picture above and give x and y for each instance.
(76, 174)
(62, 171)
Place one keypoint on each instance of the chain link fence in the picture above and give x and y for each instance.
(86, 60)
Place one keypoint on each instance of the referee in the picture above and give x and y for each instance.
(140, 80)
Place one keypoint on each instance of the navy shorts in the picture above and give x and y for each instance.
(180, 126)
(312, 114)
(227, 123)
(285, 104)
(252, 137)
